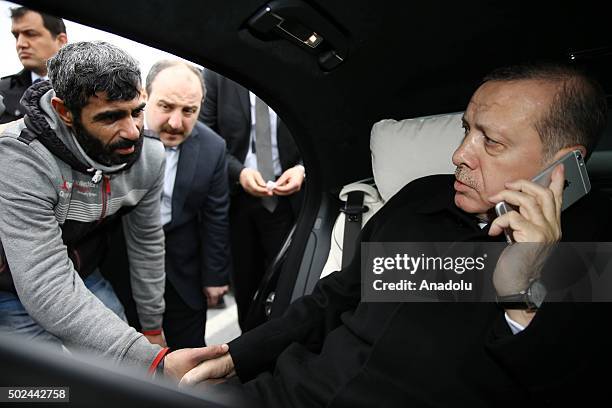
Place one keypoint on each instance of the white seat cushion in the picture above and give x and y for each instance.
(402, 151)
(408, 149)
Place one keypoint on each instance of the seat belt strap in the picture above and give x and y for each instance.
(353, 214)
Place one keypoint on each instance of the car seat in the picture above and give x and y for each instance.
(402, 151)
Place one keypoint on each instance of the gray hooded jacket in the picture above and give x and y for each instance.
(41, 195)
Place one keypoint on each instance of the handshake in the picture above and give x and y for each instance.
(194, 365)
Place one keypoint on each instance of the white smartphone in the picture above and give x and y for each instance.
(577, 184)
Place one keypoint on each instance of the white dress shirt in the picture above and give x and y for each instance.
(250, 160)
(172, 158)
(514, 326)
(35, 76)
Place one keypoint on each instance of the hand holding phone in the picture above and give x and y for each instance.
(576, 185)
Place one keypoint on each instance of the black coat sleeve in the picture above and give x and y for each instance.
(559, 356)
(214, 225)
(210, 115)
(307, 321)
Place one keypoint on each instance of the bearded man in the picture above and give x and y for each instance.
(75, 163)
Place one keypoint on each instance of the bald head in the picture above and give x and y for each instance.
(162, 65)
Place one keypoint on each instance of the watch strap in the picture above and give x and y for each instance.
(517, 301)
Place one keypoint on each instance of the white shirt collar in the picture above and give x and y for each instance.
(35, 76)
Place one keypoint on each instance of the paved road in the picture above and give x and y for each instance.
(222, 324)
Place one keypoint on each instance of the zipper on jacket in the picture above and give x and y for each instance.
(106, 192)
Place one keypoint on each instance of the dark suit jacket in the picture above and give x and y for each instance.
(197, 237)
(12, 88)
(329, 349)
(227, 111)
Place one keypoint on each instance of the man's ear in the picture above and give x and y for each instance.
(62, 39)
(568, 149)
(62, 111)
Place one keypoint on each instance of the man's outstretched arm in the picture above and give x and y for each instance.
(144, 239)
(307, 321)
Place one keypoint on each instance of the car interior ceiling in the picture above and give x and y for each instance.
(401, 60)
(409, 59)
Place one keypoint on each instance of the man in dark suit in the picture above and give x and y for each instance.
(265, 175)
(332, 349)
(38, 37)
(195, 201)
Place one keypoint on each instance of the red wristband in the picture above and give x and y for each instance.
(152, 332)
(160, 356)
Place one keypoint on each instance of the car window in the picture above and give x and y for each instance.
(222, 322)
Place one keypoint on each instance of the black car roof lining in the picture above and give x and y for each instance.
(404, 59)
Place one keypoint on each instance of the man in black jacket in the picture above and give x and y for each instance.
(38, 37)
(261, 213)
(330, 349)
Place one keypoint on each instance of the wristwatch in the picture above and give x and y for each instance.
(528, 299)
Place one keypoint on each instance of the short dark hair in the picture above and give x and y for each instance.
(578, 112)
(159, 66)
(80, 70)
(55, 25)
